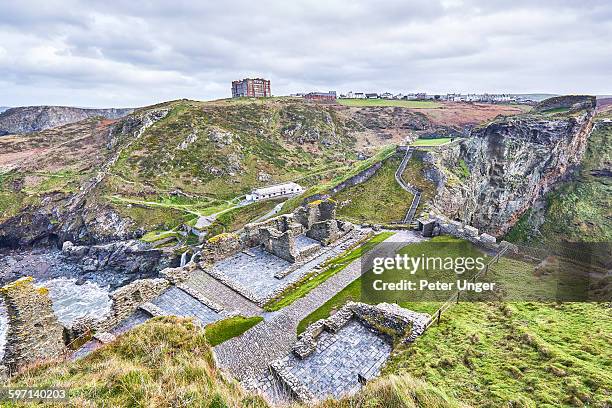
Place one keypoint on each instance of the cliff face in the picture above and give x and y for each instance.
(493, 177)
(36, 118)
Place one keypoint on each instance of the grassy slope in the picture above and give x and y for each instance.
(389, 102)
(518, 354)
(378, 200)
(223, 330)
(414, 174)
(522, 353)
(335, 265)
(214, 151)
(166, 362)
(431, 142)
(237, 218)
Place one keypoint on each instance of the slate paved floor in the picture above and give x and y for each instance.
(256, 271)
(332, 369)
(221, 294)
(175, 302)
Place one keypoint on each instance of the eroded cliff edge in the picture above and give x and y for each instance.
(491, 178)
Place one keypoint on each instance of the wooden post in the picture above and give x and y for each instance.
(439, 313)
(458, 293)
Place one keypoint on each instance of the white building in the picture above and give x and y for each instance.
(278, 190)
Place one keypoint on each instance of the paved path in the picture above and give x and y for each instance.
(408, 187)
(248, 355)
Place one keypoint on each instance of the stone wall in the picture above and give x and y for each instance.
(358, 178)
(280, 244)
(444, 226)
(221, 246)
(387, 319)
(128, 298)
(34, 332)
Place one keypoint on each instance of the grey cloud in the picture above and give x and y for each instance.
(116, 53)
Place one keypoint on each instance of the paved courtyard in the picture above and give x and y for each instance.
(176, 302)
(256, 268)
(333, 368)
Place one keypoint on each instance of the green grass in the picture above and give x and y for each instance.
(516, 354)
(154, 236)
(223, 330)
(324, 187)
(390, 102)
(415, 175)
(430, 142)
(238, 217)
(438, 246)
(166, 362)
(556, 110)
(332, 267)
(379, 200)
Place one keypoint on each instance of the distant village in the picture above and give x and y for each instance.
(261, 88)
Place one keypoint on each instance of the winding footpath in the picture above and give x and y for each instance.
(408, 187)
(248, 356)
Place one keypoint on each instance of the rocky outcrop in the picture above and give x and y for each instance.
(34, 332)
(36, 118)
(81, 217)
(491, 178)
(126, 257)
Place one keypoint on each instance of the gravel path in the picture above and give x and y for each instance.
(248, 355)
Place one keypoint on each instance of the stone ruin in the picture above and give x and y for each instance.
(34, 333)
(440, 225)
(316, 220)
(338, 355)
(389, 319)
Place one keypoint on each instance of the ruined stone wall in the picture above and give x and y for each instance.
(386, 318)
(445, 226)
(127, 299)
(281, 244)
(358, 178)
(34, 333)
(221, 246)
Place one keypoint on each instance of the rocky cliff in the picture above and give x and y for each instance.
(491, 178)
(36, 118)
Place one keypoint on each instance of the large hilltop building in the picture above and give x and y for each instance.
(251, 87)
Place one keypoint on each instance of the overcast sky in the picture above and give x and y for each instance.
(133, 53)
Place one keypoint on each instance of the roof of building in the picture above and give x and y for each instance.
(276, 188)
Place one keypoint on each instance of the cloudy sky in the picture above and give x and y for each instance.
(133, 53)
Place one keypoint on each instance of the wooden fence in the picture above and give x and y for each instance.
(454, 298)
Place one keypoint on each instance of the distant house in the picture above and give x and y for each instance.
(359, 95)
(321, 96)
(278, 190)
(371, 96)
(387, 95)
